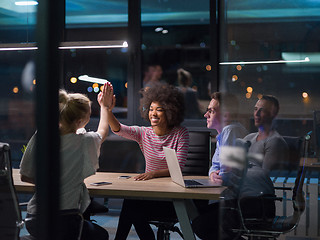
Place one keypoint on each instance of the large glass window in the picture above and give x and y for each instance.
(17, 123)
(93, 21)
(272, 48)
(175, 45)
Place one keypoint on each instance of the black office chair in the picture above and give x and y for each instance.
(266, 227)
(11, 222)
(197, 164)
(291, 165)
(10, 219)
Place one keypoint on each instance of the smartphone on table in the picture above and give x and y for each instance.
(100, 183)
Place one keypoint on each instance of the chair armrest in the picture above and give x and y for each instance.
(283, 188)
(23, 204)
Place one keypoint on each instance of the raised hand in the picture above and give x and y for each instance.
(106, 98)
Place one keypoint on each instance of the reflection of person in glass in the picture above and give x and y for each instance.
(190, 94)
(152, 75)
(271, 147)
(162, 105)
(221, 115)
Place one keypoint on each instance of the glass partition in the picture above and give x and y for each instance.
(175, 46)
(17, 106)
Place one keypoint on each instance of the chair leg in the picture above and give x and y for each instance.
(160, 233)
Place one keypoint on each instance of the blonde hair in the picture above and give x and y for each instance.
(73, 107)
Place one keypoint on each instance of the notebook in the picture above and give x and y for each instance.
(176, 174)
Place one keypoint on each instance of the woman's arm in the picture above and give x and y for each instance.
(107, 101)
(153, 174)
(110, 104)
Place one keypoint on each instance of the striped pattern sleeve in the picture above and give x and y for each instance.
(152, 147)
(134, 133)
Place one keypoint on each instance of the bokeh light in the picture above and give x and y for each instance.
(305, 95)
(234, 78)
(73, 80)
(15, 90)
(89, 89)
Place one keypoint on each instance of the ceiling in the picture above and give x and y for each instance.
(114, 12)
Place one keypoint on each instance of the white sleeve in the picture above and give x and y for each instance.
(92, 143)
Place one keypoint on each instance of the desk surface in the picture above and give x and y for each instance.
(310, 162)
(153, 188)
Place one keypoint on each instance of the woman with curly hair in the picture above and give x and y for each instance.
(162, 105)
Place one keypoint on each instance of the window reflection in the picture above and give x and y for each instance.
(109, 64)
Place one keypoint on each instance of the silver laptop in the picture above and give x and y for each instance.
(176, 174)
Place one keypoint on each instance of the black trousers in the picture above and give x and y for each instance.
(69, 229)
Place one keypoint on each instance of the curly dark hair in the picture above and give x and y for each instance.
(171, 99)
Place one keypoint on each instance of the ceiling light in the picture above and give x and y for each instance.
(93, 44)
(158, 29)
(86, 78)
(26, 3)
(266, 62)
(66, 45)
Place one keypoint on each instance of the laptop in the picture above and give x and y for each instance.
(176, 174)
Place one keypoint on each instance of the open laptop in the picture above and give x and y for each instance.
(176, 174)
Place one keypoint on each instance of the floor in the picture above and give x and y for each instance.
(110, 221)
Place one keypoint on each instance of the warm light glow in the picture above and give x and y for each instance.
(15, 90)
(239, 68)
(249, 89)
(126, 85)
(26, 3)
(34, 82)
(259, 95)
(101, 88)
(248, 95)
(208, 67)
(305, 95)
(234, 78)
(73, 79)
(95, 85)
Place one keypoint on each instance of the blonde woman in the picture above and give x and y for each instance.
(79, 154)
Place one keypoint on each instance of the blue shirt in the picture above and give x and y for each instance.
(227, 137)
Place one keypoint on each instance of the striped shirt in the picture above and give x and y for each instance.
(152, 145)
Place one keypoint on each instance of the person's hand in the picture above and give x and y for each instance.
(215, 177)
(106, 98)
(144, 176)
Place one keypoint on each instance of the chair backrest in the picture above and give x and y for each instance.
(199, 154)
(10, 217)
(295, 152)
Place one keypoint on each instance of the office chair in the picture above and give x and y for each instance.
(11, 222)
(197, 164)
(10, 219)
(266, 227)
